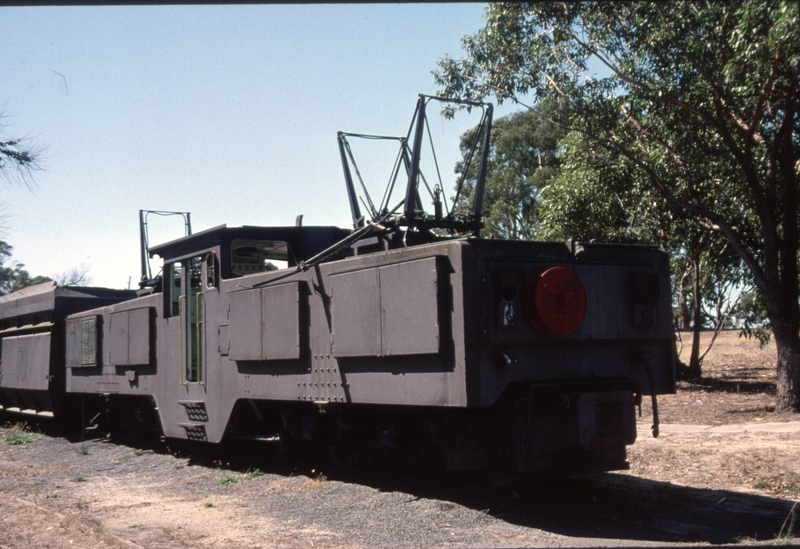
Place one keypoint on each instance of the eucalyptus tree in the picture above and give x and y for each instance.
(677, 80)
(523, 158)
(14, 277)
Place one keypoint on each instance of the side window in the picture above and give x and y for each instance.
(195, 266)
(211, 272)
(172, 289)
(258, 256)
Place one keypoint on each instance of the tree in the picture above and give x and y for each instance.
(14, 277)
(598, 195)
(751, 316)
(709, 281)
(19, 158)
(522, 159)
(76, 276)
(701, 98)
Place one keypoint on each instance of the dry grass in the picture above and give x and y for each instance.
(737, 389)
(737, 386)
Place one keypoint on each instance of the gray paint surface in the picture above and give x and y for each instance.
(435, 325)
(414, 327)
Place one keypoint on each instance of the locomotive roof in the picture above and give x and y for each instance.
(304, 241)
(37, 303)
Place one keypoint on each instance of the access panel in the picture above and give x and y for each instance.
(26, 362)
(385, 311)
(129, 334)
(265, 323)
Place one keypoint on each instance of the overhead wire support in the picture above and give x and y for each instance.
(349, 152)
(468, 163)
(435, 163)
(347, 158)
(412, 211)
(144, 238)
(387, 193)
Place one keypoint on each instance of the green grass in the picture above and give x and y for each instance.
(13, 439)
(18, 434)
(254, 473)
(230, 478)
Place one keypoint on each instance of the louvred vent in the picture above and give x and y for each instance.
(555, 301)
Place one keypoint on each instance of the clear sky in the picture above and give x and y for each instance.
(228, 112)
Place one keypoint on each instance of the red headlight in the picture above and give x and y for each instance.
(555, 301)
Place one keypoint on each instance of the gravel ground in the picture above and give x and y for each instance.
(724, 471)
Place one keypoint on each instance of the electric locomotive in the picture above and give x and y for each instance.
(407, 337)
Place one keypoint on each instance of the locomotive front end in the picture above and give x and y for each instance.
(569, 340)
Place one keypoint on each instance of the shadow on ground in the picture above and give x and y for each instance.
(624, 507)
(610, 506)
(605, 506)
(615, 506)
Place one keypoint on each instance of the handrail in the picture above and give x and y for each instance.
(181, 299)
(199, 333)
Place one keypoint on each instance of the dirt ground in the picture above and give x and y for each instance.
(724, 470)
(742, 443)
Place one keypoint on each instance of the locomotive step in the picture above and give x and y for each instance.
(195, 410)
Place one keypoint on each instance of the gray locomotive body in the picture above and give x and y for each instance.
(408, 338)
(422, 347)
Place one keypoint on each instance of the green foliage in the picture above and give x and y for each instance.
(18, 434)
(600, 196)
(13, 439)
(14, 277)
(751, 315)
(523, 158)
(700, 100)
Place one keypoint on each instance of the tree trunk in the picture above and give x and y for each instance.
(788, 381)
(695, 370)
(683, 309)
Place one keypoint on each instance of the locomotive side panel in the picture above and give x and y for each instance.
(111, 350)
(129, 341)
(32, 330)
(386, 311)
(355, 312)
(398, 313)
(378, 332)
(26, 362)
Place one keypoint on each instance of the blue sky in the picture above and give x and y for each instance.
(229, 112)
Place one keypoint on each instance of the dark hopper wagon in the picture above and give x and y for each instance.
(407, 336)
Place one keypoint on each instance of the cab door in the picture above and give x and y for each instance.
(192, 321)
(189, 278)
